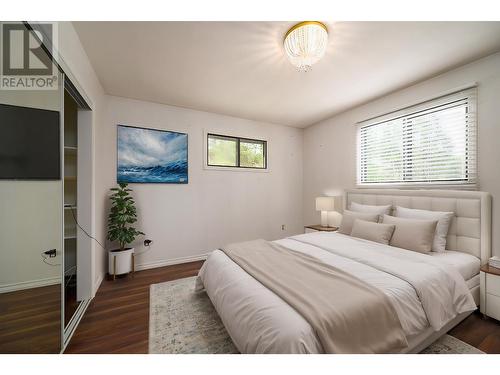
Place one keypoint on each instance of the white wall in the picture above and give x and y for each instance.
(30, 215)
(216, 207)
(330, 146)
(30, 222)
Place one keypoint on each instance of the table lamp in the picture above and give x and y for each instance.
(325, 204)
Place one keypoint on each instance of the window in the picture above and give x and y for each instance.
(430, 143)
(227, 151)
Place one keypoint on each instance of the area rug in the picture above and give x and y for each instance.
(182, 321)
(450, 345)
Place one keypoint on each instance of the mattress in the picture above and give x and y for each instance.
(467, 265)
(473, 282)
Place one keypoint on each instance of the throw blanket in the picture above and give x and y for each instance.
(347, 314)
(442, 290)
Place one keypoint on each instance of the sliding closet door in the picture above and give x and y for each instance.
(31, 210)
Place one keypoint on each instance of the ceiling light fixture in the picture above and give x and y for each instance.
(305, 44)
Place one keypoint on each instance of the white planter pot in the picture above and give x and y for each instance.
(120, 262)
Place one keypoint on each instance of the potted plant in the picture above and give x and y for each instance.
(121, 217)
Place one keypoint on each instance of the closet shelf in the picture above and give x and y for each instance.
(70, 150)
(69, 230)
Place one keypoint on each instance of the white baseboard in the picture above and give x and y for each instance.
(147, 266)
(30, 284)
(170, 262)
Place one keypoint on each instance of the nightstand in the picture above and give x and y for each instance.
(490, 291)
(319, 228)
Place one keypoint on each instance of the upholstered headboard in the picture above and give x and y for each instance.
(470, 229)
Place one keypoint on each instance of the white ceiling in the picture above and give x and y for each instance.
(239, 68)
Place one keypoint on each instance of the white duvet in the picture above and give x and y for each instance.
(424, 291)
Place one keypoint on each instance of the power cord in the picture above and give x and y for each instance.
(83, 230)
(147, 243)
(143, 251)
(44, 259)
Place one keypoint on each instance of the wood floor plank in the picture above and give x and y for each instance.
(480, 332)
(117, 320)
(30, 320)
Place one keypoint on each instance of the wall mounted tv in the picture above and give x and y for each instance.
(29, 144)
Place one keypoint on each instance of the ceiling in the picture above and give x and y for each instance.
(239, 68)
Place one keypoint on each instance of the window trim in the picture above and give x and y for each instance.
(237, 167)
(408, 110)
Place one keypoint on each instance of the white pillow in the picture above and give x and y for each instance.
(412, 234)
(375, 232)
(379, 210)
(348, 218)
(443, 219)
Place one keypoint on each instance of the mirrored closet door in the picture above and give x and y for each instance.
(31, 216)
(46, 176)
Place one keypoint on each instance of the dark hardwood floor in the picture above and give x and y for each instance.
(478, 331)
(117, 320)
(30, 321)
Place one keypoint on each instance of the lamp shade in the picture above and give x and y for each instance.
(325, 204)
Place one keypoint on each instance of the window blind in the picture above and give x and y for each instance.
(430, 143)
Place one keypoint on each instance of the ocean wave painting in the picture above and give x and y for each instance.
(151, 156)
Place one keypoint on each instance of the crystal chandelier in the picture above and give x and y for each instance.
(305, 43)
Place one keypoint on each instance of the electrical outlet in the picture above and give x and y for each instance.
(51, 253)
(283, 227)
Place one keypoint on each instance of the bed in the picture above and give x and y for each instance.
(259, 321)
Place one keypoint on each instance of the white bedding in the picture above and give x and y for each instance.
(467, 265)
(258, 321)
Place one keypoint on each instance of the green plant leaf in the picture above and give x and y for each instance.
(122, 214)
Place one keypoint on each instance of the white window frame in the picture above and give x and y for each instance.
(472, 184)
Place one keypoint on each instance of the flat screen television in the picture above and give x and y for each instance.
(29, 144)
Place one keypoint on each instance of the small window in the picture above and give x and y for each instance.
(227, 151)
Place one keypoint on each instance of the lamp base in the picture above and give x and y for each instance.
(324, 218)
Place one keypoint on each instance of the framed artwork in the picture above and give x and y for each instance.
(151, 156)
